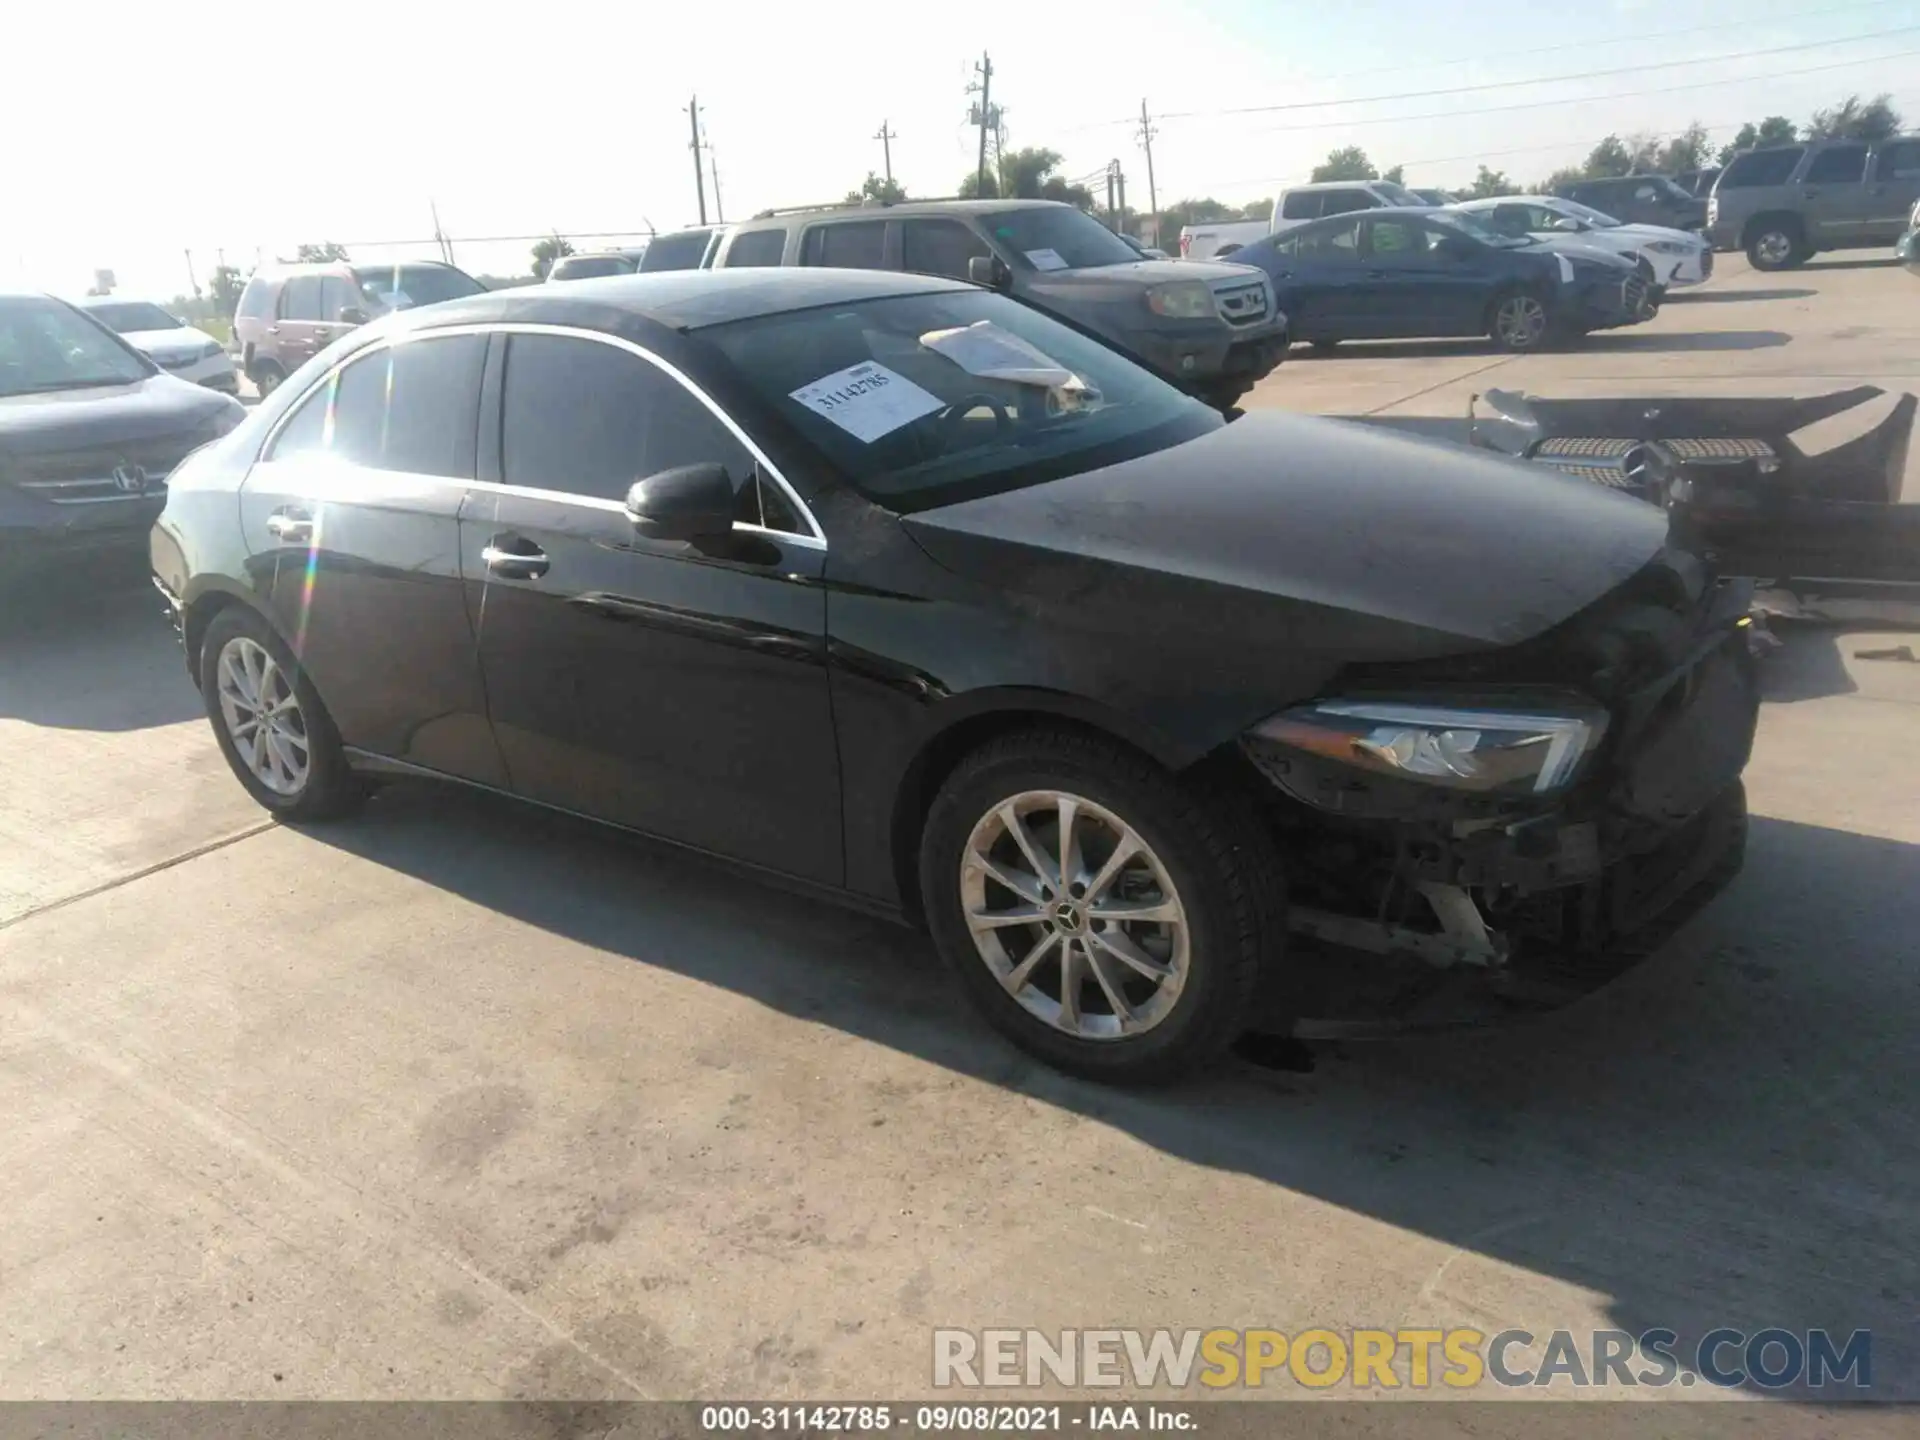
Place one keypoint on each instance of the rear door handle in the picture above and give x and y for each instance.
(290, 527)
(512, 558)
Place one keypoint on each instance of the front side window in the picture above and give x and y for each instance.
(1760, 167)
(1395, 194)
(1300, 205)
(939, 247)
(1336, 244)
(1510, 219)
(336, 295)
(1899, 160)
(131, 317)
(1842, 165)
(757, 248)
(922, 400)
(1057, 237)
(851, 245)
(300, 300)
(1345, 202)
(46, 346)
(589, 419)
(406, 407)
(1398, 240)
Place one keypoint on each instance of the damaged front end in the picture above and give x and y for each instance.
(1535, 818)
(1780, 490)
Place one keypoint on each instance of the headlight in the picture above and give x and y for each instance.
(1713, 209)
(209, 350)
(1491, 749)
(1671, 247)
(1182, 300)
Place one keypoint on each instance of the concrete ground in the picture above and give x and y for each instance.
(457, 1101)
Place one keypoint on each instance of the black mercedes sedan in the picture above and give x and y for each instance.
(895, 589)
(90, 429)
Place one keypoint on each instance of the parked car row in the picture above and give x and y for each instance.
(1786, 203)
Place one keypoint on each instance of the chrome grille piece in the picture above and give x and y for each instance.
(101, 476)
(1719, 449)
(1242, 303)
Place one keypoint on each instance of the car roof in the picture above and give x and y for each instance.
(904, 207)
(287, 269)
(1485, 200)
(677, 299)
(1331, 185)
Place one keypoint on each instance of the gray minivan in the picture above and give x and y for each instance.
(1213, 329)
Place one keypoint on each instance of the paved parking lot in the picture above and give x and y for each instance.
(454, 1101)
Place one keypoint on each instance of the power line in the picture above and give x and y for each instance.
(1542, 80)
(1582, 99)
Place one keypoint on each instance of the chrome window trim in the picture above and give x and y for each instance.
(813, 539)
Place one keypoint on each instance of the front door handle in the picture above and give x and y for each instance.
(291, 527)
(512, 558)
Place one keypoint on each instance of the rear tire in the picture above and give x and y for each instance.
(273, 729)
(1777, 244)
(1130, 972)
(267, 377)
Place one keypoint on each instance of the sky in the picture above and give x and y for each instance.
(135, 133)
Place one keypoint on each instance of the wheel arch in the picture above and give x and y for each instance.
(967, 723)
(207, 601)
(1787, 219)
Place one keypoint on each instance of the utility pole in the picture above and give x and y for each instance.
(439, 235)
(886, 137)
(193, 283)
(983, 114)
(1120, 183)
(1112, 214)
(1147, 132)
(713, 163)
(699, 171)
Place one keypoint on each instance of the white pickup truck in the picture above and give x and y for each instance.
(1218, 239)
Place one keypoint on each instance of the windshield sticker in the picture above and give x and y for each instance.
(1046, 259)
(986, 350)
(867, 400)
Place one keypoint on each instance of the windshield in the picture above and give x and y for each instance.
(676, 252)
(923, 400)
(129, 317)
(583, 267)
(401, 287)
(1469, 223)
(1398, 194)
(45, 345)
(1058, 237)
(1600, 220)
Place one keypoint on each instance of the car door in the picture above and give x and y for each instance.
(1414, 288)
(939, 247)
(1316, 276)
(294, 331)
(352, 517)
(1833, 196)
(1893, 190)
(679, 688)
(341, 308)
(849, 244)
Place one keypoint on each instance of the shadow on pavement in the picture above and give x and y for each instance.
(1720, 297)
(1687, 342)
(1887, 262)
(1725, 1137)
(91, 652)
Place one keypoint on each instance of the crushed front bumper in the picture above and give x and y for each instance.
(1773, 488)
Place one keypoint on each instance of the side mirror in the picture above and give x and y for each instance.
(684, 503)
(1567, 223)
(352, 315)
(988, 270)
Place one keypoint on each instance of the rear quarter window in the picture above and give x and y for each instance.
(1760, 167)
(854, 244)
(756, 247)
(256, 301)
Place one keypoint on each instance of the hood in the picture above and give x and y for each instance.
(1158, 272)
(1643, 234)
(1306, 537)
(183, 340)
(161, 407)
(1582, 249)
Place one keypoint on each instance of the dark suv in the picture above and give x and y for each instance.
(1212, 329)
(1640, 200)
(289, 313)
(1788, 202)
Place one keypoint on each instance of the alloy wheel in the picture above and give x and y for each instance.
(263, 717)
(1775, 247)
(1520, 322)
(1074, 915)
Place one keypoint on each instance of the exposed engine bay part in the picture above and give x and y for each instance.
(1463, 938)
(1778, 489)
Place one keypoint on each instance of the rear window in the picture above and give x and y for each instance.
(1899, 160)
(676, 252)
(1843, 164)
(853, 245)
(256, 301)
(130, 317)
(1760, 167)
(757, 247)
(586, 267)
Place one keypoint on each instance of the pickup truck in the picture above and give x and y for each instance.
(1216, 239)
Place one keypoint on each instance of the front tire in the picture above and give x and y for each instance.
(266, 378)
(276, 735)
(1518, 322)
(1776, 245)
(1131, 952)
